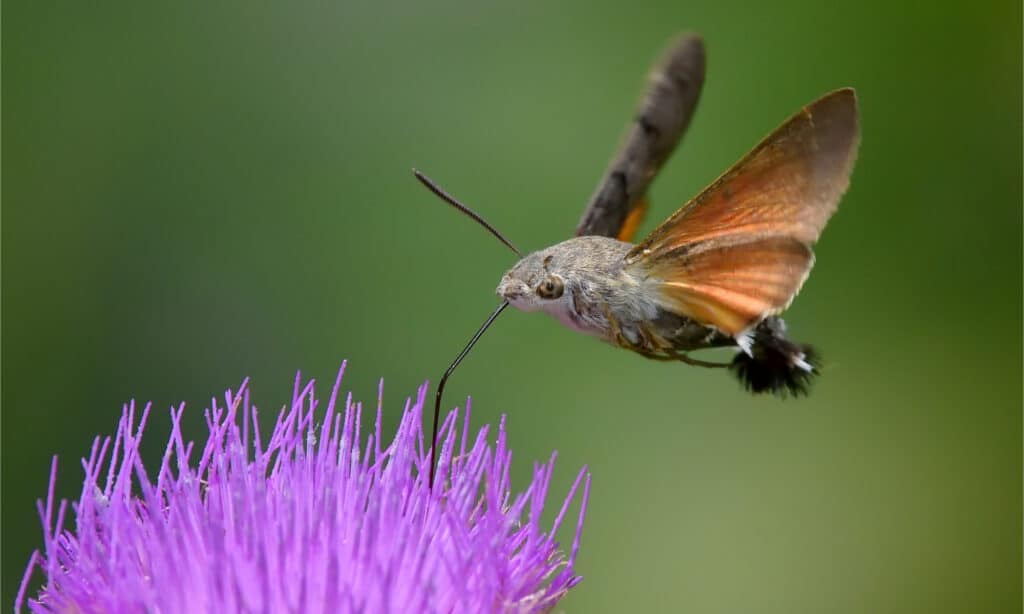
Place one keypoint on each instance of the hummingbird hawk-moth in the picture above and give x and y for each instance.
(716, 273)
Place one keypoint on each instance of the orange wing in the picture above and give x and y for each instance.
(740, 250)
(735, 286)
(634, 218)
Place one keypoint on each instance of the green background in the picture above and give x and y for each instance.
(201, 192)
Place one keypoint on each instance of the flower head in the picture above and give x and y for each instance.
(308, 520)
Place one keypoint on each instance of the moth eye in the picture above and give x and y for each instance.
(552, 287)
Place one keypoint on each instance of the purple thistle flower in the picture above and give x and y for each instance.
(312, 522)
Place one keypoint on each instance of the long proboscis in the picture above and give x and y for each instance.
(444, 379)
(451, 200)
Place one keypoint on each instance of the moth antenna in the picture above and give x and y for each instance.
(444, 378)
(451, 200)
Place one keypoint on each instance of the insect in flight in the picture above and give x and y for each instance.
(719, 270)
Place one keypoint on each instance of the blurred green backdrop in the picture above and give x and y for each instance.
(199, 192)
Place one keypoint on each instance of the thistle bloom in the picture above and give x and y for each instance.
(305, 521)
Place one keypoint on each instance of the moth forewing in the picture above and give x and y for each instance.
(788, 185)
(618, 204)
(740, 250)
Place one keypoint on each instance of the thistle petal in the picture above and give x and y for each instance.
(314, 519)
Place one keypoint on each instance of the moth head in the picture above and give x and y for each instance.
(533, 284)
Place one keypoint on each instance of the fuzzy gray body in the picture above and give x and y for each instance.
(600, 295)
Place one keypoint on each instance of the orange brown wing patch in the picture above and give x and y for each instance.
(634, 218)
(789, 185)
(734, 287)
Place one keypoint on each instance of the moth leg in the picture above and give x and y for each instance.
(649, 354)
(665, 347)
(624, 341)
(696, 362)
(652, 356)
(655, 340)
(613, 324)
(663, 351)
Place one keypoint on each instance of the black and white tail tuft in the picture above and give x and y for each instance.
(774, 363)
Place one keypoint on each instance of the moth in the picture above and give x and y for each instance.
(716, 273)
